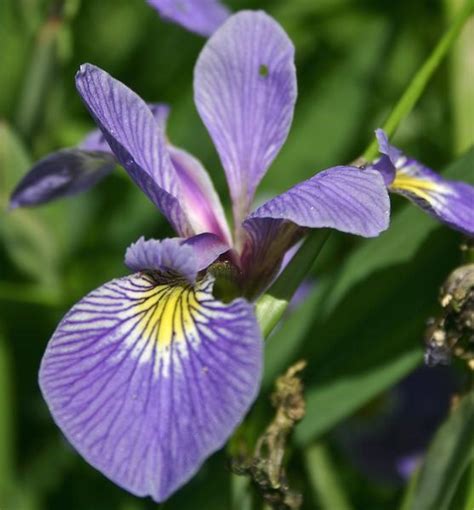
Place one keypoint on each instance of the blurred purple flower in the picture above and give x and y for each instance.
(200, 16)
(388, 444)
(150, 373)
(449, 202)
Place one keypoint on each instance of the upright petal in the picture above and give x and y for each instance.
(448, 201)
(95, 140)
(199, 199)
(62, 173)
(200, 16)
(343, 198)
(136, 140)
(147, 376)
(245, 91)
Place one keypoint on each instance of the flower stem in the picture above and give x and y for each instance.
(422, 77)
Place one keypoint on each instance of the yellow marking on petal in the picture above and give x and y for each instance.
(423, 188)
(167, 313)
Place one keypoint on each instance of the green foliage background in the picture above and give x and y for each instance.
(362, 325)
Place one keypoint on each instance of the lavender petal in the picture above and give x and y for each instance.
(450, 202)
(199, 199)
(62, 173)
(168, 256)
(343, 198)
(135, 138)
(207, 248)
(200, 16)
(147, 377)
(245, 91)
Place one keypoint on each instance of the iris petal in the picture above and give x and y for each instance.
(448, 201)
(136, 140)
(245, 91)
(62, 173)
(148, 376)
(343, 198)
(200, 16)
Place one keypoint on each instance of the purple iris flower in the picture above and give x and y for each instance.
(200, 16)
(150, 373)
(449, 202)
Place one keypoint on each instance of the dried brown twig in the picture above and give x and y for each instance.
(265, 467)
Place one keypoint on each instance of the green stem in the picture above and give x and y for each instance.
(409, 493)
(6, 425)
(422, 77)
(272, 305)
(39, 75)
(324, 480)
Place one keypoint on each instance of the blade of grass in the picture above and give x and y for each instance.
(324, 480)
(422, 77)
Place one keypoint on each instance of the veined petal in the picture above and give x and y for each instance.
(136, 140)
(71, 171)
(168, 256)
(245, 91)
(95, 140)
(200, 16)
(343, 198)
(148, 376)
(62, 173)
(448, 201)
(177, 256)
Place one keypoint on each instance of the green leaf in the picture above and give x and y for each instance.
(409, 228)
(333, 401)
(27, 236)
(448, 456)
(372, 335)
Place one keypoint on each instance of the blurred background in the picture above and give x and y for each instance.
(371, 411)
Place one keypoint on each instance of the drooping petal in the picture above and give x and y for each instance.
(245, 91)
(62, 173)
(136, 140)
(448, 201)
(343, 198)
(199, 16)
(199, 199)
(147, 377)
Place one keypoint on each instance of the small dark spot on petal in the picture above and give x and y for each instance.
(263, 70)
